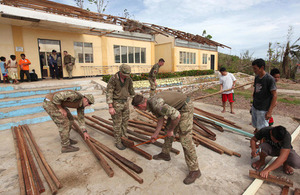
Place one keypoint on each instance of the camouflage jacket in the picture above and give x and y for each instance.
(67, 59)
(70, 99)
(154, 71)
(160, 109)
(116, 90)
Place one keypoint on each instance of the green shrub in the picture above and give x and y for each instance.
(144, 76)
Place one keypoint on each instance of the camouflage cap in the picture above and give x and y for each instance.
(125, 69)
(90, 98)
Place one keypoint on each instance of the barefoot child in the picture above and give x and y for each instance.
(3, 67)
(277, 143)
(12, 65)
(227, 81)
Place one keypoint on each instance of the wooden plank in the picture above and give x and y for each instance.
(47, 166)
(97, 154)
(47, 176)
(285, 190)
(19, 166)
(271, 178)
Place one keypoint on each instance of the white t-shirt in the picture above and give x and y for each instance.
(227, 82)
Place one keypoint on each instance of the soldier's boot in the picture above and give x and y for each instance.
(66, 149)
(162, 156)
(73, 142)
(120, 146)
(192, 176)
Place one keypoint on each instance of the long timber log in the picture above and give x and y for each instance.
(271, 178)
(146, 115)
(210, 122)
(207, 145)
(204, 128)
(97, 154)
(47, 166)
(47, 176)
(145, 128)
(122, 159)
(35, 174)
(124, 168)
(141, 123)
(30, 187)
(19, 166)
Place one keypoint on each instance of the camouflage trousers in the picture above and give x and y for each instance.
(184, 129)
(63, 123)
(69, 70)
(152, 87)
(120, 119)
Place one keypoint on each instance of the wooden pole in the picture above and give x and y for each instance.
(97, 154)
(219, 92)
(32, 187)
(204, 128)
(210, 122)
(47, 166)
(128, 171)
(19, 166)
(122, 159)
(271, 178)
(35, 174)
(47, 176)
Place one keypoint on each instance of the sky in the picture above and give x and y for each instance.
(240, 24)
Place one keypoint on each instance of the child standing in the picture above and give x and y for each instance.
(3, 67)
(12, 66)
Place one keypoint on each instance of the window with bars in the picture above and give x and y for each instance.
(126, 54)
(187, 57)
(84, 52)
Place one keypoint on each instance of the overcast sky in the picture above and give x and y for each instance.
(240, 24)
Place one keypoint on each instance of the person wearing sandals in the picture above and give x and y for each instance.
(12, 66)
(277, 143)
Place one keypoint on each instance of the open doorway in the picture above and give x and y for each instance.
(46, 46)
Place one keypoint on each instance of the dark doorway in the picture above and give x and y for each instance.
(212, 62)
(45, 49)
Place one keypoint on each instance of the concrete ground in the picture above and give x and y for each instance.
(81, 173)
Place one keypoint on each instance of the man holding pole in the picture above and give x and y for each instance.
(179, 110)
(56, 105)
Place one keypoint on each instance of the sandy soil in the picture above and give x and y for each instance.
(80, 172)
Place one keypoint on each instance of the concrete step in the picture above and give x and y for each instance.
(100, 106)
(36, 91)
(33, 118)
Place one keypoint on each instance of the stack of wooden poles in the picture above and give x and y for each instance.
(29, 178)
(98, 149)
(201, 134)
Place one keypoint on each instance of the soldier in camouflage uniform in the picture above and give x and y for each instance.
(179, 110)
(119, 88)
(152, 76)
(68, 63)
(56, 105)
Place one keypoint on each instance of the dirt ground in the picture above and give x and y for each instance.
(81, 173)
(283, 109)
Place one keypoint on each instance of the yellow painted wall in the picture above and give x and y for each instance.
(111, 41)
(7, 42)
(209, 53)
(165, 51)
(178, 66)
(31, 36)
(161, 39)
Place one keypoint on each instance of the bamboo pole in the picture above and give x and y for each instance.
(35, 174)
(47, 166)
(32, 187)
(19, 166)
(97, 154)
(219, 92)
(47, 176)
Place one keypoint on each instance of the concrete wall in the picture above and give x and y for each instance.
(165, 51)
(7, 42)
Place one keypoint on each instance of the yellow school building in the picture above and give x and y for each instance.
(100, 43)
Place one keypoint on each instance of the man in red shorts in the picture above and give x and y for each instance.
(227, 81)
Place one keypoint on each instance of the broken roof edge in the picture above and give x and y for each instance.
(124, 24)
